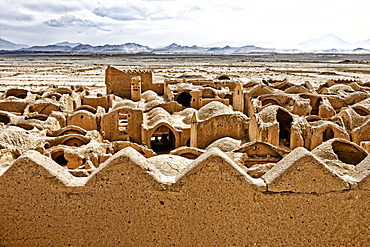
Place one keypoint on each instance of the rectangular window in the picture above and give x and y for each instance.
(122, 122)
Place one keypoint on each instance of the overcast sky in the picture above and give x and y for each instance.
(186, 22)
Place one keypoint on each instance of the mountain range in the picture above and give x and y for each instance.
(7, 45)
(327, 44)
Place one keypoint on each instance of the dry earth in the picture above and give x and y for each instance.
(43, 71)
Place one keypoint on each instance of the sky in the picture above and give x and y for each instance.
(186, 22)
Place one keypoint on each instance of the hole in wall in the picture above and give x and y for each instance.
(348, 153)
(4, 119)
(59, 158)
(162, 140)
(285, 123)
(184, 99)
(361, 112)
(327, 134)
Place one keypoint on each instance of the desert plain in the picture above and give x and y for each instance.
(37, 71)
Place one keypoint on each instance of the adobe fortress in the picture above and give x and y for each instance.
(188, 161)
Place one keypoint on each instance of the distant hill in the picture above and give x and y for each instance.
(7, 45)
(66, 47)
(127, 48)
(175, 48)
(364, 44)
(47, 48)
(327, 42)
(66, 43)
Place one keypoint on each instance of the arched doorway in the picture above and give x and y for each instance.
(327, 134)
(285, 123)
(316, 106)
(58, 157)
(188, 143)
(184, 99)
(163, 140)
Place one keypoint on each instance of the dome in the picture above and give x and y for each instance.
(150, 105)
(125, 103)
(213, 109)
(226, 144)
(156, 115)
(149, 95)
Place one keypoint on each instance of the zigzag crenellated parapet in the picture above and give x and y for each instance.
(129, 195)
(300, 171)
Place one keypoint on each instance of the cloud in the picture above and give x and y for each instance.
(126, 13)
(11, 16)
(136, 10)
(51, 7)
(14, 16)
(70, 21)
(158, 22)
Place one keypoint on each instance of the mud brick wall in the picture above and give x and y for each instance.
(213, 202)
(119, 82)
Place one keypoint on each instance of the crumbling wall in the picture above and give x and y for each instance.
(122, 124)
(83, 119)
(227, 125)
(119, 82)
(95, 101)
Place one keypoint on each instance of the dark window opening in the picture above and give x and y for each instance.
(327, 135)
(285, 123)
(18, 93)
(188, 143)
(230, 98)
(184, 99)
(361, 112)
(4, 119)
(223, 77)
(59, 158)
(162, 140)
(123, 122)
(316, 106)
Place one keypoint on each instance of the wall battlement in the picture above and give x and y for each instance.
(128, 201)
(311, 174)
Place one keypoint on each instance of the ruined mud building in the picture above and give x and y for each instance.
(190, 161)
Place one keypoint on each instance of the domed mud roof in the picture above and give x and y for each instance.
(149, 95)
(213, 109)
(226, 144)
(125, 103)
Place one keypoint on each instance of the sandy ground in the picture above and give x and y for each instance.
(42, 71)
